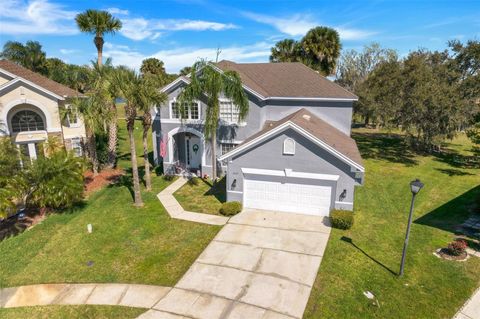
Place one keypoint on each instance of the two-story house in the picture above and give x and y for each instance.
(293, 152)
(30, 111)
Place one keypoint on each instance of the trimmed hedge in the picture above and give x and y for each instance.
(230, 208)
(342, 219)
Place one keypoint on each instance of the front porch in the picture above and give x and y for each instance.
(185, 152)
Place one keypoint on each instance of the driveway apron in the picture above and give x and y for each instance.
(261, 265)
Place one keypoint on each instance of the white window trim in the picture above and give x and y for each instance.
(239, 123)
(188, 119)
(285, 151)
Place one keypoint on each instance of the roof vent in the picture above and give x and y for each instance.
(306, 116)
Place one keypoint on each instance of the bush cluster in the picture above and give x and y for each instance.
(342, 219)
(457, 247)
(169, 177)
(230, 208)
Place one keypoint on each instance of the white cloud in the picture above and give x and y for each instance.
(177, 58)
(140, 28)
(36, 17)
(118, 11)
(68, 51)
(299, 24)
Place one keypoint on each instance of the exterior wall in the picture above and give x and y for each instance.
(337, 114)
(22, 97)
(308, 157)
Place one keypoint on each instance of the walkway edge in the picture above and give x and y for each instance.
(111, 294)
(175, 210)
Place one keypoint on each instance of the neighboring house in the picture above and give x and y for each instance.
(29, 110)
(293, 152)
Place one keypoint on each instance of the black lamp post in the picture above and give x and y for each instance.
(415, 187)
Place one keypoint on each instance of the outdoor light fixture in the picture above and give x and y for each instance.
(234, 183)
(343, 195)
(415, 187)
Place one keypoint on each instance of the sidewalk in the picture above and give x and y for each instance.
(131, 295)
(471, 309)
(175, 210)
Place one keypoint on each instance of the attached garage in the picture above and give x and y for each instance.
(288, 197)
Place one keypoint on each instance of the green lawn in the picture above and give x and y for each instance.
(202, 198)
(431, 287)
(128, 244)
(71, 312)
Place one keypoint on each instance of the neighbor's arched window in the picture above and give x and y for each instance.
(27, 121)
(289, 146)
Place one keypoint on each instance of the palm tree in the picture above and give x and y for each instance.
(287, 50)
(148, 96)
(206, 80)
(321, 46)
(99, 23)
(92, 112)
(129, 83)
(30, 55)
(104, 83)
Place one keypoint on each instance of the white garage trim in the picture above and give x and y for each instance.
(289, 173)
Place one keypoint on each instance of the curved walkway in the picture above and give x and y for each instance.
(175, 210)
(130, 295)
(471, 309)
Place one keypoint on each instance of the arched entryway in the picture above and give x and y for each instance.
(186, 148)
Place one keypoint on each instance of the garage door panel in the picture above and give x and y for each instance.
(287, 197)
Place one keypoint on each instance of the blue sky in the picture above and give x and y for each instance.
(179, 32)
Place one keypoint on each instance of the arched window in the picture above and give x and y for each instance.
(289, 146)
(27, 121)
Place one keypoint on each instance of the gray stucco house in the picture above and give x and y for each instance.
(293, 153)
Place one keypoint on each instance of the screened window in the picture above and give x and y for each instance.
(289, 146)
(72, 118)
(27, 121)
(191, 113)
(77, 146)
(229, 112)
(227, 147)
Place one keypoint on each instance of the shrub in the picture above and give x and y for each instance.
(341, 219)
(194, 181)
(457, 247)
(230, 208)
(169, 177)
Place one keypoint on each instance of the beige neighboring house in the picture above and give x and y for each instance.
(29, 110)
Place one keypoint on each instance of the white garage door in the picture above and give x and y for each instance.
(288, 197)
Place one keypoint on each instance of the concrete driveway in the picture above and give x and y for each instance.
(262, 264)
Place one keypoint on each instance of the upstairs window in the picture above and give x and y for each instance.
(289, 146)
(229, 112)
(191, 112)
(27, 120)
(227, 147)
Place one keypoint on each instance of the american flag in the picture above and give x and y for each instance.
(163, 146)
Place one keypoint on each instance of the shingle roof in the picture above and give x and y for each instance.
(286, 80)
(325, 132)
(37, 79)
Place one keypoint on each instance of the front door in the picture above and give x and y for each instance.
(193, 152)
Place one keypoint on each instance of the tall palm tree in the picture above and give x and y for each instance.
(321, 47)
(129, 83)
(287, 50)
(92, 113)
(99, 23)
(148, 96)
(206, 80)
(105, 84)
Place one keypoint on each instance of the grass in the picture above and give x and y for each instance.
(71, 312)
(128, 244)
(202, 198)
(367, 257)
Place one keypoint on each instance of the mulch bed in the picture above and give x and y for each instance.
(443, 253)
(104, 177)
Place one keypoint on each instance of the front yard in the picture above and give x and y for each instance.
(202, 197)
(71, 312)
(431, 287)
(127, 244)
